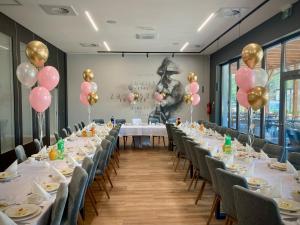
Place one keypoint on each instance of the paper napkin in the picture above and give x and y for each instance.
(37, 189)
(13, 168)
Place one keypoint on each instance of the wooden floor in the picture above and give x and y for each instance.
(147, 191)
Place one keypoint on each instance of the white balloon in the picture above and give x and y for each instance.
(261, 77)
(94, 87)
(27, 74)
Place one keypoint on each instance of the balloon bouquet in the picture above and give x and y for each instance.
(159, 97)
(88, 94)
(191, 97)
(133, 95)
(29, 73)
(252, 83)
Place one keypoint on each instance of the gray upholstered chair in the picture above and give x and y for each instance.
(99, 121)
(172, 120)
(59, 204)
(264, 210)
(76, 127)
(112, 154)
(243, 138)
(20, 154)
(190, 153)
(226, 180)
(203, 169)
(179, 147)
(75, 197)
(170, 137)
(273, 151)
(64, 133)
(37, 145)
(82, 124)
(120, 121)
(5, 220)
(232, 133)
(212, 165)
(258, 144)
(87, 165)
(294, 159)
(69, 130)
(56, 136)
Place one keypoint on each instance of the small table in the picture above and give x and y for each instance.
(142, 131)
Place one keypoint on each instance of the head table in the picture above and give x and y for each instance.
(280, 184)
(17, 190)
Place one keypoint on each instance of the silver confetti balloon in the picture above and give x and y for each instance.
(27, 74)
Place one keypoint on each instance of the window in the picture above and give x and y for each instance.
(7, 137)
(233, 90)
(26, 108)
(272, 108)
(292, 56)
(225, 96)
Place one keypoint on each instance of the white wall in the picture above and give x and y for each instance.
(113, 74)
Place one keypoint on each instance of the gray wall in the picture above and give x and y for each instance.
(264, 34)
(113, 74)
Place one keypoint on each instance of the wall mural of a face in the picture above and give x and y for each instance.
(172, 88)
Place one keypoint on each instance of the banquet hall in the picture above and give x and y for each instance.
(141, 112)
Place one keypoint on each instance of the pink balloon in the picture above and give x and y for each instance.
(84, 99)
(245, 78)
(86, 87)
(39, 99)
(48, 77)
(158, 97)
(194, 87)
(242, 98)
(130, 97)
(196, 99)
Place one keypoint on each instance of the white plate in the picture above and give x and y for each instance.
(37, 213)
(50, 187)
(256, 182)
(66, 171)
(21, 211)
(288, 205)
(3, 205)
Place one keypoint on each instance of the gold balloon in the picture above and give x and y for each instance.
(258, 97)
(136, 96)
(37, 53)
(163, 95)
(188, 99)
(93, 98)
(252, 54)
(88, 75)
(192, 77)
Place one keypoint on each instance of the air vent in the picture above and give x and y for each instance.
(59, 10)
(9, 3)
(89, 45)
(232, 12)
(146, 36)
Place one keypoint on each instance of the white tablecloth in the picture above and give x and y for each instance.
(143, 130)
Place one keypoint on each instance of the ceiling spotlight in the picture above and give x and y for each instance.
(206, 21)
(147, 54)
(106, 46)
(122, 54)
(173, 54)
(91, 20)
(184, 46)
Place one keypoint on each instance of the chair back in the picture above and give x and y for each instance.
(226, 180)
(120, 121)
(113, 144)
(5, 220)
(258, 144)
(69, 130)
(294, 159)
(187, 147)
(169, 132)
(59, 204)
(96, 160)
(243, 138)
(76, 194)
(76, 127)
(191, 152)
(179, 144)
(200, 155)
(106, 145)
(37, 145)
(64, 133)
(265, 210)
(232, 133)
(20, 154)
(56, 136)
(87, 165)
(273, 151)
(212, 165)
(82, 124)
(99, 121)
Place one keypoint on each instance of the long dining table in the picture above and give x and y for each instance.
(252, 165)
(16, 191)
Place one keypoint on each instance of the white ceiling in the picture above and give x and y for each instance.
(175, 21)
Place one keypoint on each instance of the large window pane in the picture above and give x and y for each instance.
(7, 137)
(233, 90)
(292, 55)
(225, 96)
(26, 108)
(272, 107)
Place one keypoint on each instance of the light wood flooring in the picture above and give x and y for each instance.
(147, 191)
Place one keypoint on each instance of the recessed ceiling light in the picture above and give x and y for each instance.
(91, 20)
(106, 46)
(4, 47)
(111, 21)
(184, 46)
(206, 21)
